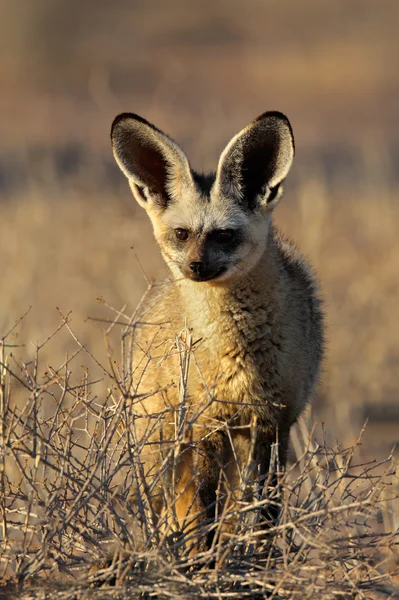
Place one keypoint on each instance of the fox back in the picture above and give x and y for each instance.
(245, 295)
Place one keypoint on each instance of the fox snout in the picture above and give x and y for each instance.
(195, 256)
(202, 271)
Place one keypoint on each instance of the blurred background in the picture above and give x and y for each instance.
(201, 71)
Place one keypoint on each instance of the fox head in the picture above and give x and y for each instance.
(210, 228)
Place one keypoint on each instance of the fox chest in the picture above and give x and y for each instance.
(236, 371)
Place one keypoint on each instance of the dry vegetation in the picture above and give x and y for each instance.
(69, 468)
(77, 514)
(67, 226)
(71, 249)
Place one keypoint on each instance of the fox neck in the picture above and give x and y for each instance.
(234, 309)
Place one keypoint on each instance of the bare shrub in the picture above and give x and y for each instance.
(78, 516)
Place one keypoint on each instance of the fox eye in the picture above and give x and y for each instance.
(181, 234)
(223, 236)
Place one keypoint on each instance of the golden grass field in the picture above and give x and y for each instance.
(71, 234)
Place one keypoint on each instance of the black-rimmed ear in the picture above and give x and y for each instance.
(256, 161)
(154, 164)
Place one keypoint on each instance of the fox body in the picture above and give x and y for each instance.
(243, 291)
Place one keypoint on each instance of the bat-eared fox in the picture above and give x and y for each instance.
(206, 425)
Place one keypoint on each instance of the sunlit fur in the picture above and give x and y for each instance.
(257, 328)
(201, 217)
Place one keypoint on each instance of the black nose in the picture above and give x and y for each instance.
(197, 267)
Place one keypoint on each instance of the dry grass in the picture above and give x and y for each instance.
(352, 242)
(68, 468)
(77, 514)
(66, 249)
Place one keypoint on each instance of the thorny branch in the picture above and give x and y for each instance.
(74, 496)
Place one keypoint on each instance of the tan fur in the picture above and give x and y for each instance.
(257, 336)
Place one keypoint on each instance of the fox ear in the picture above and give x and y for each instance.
(155, 166)
(256, 161)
